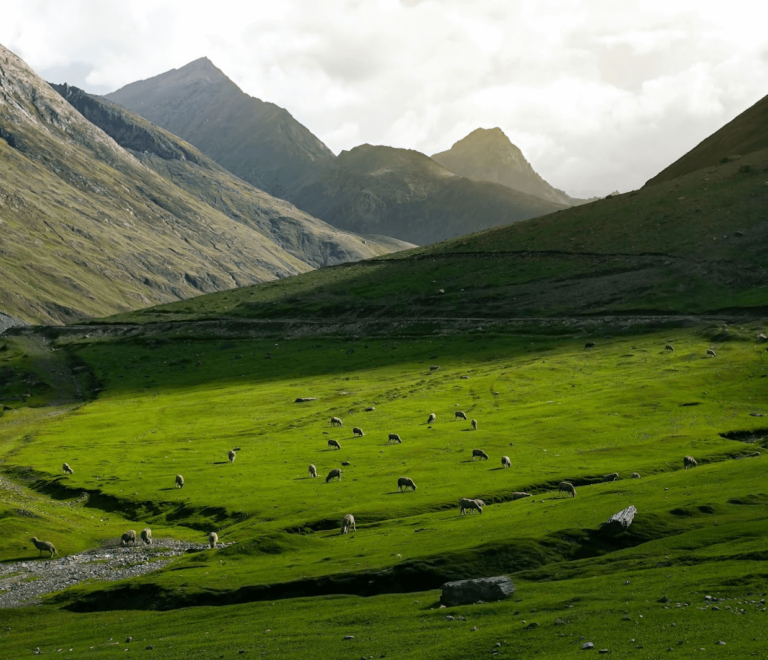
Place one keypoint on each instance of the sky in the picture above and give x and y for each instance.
(599, 94)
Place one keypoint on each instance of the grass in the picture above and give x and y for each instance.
(155, 406)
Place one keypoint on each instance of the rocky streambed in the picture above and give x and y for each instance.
(26, 582)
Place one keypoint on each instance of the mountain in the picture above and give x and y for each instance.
(403, 193)
(488, 155)
(88, 228)
(746, 134)
(258, 141)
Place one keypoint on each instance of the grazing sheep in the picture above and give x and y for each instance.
(67, 469)
(335, 421)
(334, 444)
(711, 352)
(357, 431)
(128, 537)
(146, 535)
(689, 461)
(480, 502)
(479, 453)
(232, 456)
(589, 345)
(635, 475)
(213, 539)
(567, 487)
(405, 483)
(349, 521)
(505, 462)
(474, 424)
(469, 505)
(44, 546)
(669, 348)
(179, 481)
(611, 477)
(393, 437)
(312, 471)
(432, 417)
(333, 474)
(520, 495)
(459, 415)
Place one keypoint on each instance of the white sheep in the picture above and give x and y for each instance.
(335, 421)
(67, 469)
(213, 539)
(334, 444)
(405, 483)
(312, 471)
(505, 462)
(146, 535)
(635, 475)
(479, 453)
(567, 487)
(474, 424)
(393, 437)
(689, 461)
(179, 481)
(469, 505)
(611, 477)
(711, 352)
(44, 546)
(347, 523)
(669, 348)
(432, 417)
(231, 455)
(333, 474)
(128, 537)
(459, 415)
(358, 432)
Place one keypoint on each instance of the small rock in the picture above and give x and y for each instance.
(370, 409)
(449, 617)
(532, 625)
(241, 651)
(604, 651)
(587, 645)
(349, 636)
(558, 622)
(151, 647)
(128, 640)
(720, 643)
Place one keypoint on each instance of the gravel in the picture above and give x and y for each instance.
(26, 582)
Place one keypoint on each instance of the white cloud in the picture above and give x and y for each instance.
(600, 95)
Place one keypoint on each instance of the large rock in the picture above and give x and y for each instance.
(489, 589)
(620, 521)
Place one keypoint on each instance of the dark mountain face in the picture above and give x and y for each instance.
(488, 155)
(405, 194)
(258, 141)
(744, 135)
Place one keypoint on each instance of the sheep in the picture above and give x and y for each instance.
(567, 487)
(44, 546)
(405, 483)
(466, 504)
(333, 444)
(711, 352)
(432, 417)
(479, 453)
(669, 348)
(335, 473)
(128, 537)
(589, 345)
(349, 521)
(474, 424)
(67, 469)
(335, 421)
(393, 437)
(459, 415)
(232, 456)
(312, 471)
(213, 539)
(179, 481)
(434, 367)
(611, 477)
(480, 502)
(505, 462)
(635, 475)
(520, 495)
(146, 535)
(358, 432)
(689, 461)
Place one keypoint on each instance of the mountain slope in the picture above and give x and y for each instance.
(86, 229)
(403, 193)
(258, 141)
(746, 134)
(488, 155)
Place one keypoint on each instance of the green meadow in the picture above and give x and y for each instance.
(129, 413)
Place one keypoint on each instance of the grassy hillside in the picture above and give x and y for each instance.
(744, 135)
(694, 245)
(160, 405)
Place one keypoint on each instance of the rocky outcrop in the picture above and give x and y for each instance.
(464, 592)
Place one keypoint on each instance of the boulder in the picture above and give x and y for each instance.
(304, 399)
(463, 592)
(620, 521)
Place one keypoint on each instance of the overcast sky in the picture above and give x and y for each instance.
(599, 94)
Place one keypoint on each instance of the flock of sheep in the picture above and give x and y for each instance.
(403, 483)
